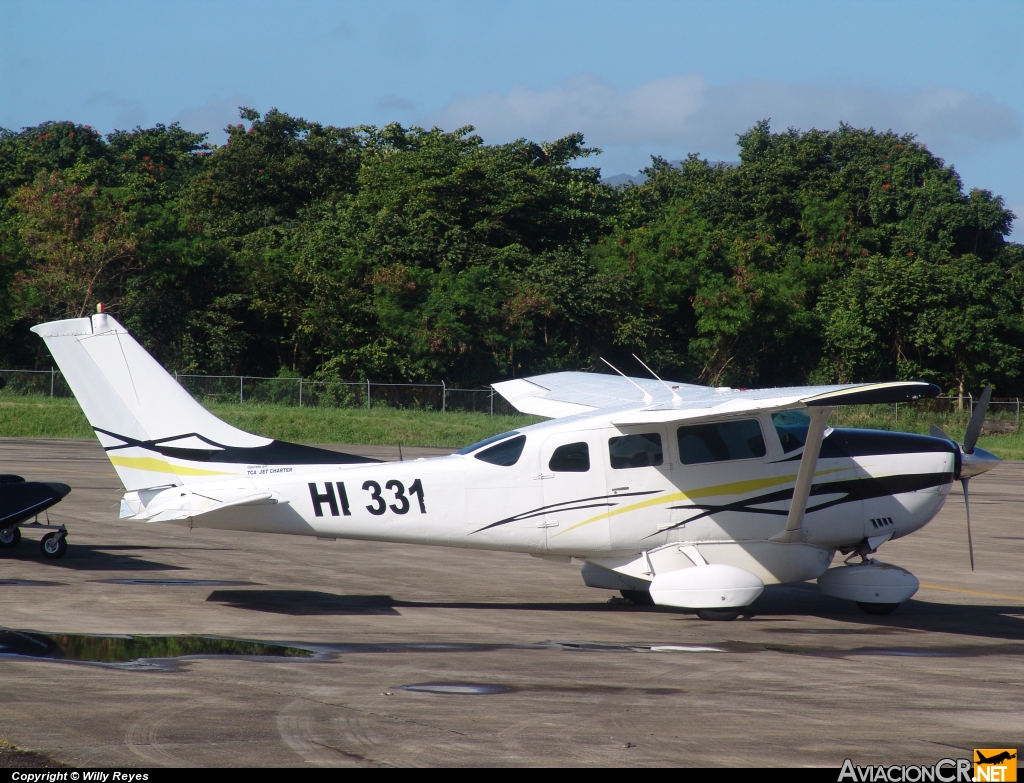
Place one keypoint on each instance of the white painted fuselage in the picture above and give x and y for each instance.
(730, 510)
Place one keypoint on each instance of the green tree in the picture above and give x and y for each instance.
(453, 259)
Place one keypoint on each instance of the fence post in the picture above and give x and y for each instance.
(367, 394)
(1018, 411)
(53, 372)
(897, 424)
(444, 397)
(300, 392)
(492, 401)
(241, 393)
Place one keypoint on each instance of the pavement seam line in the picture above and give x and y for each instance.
(972, 592)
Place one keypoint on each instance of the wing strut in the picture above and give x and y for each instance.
(805, 476)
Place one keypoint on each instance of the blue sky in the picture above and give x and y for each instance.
(638, 78)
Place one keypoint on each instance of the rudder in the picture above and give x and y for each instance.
(136, 408)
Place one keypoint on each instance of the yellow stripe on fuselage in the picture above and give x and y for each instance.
(154, 465)
(732, 488)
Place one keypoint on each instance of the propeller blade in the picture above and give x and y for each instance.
(937, 432)
(967, 505)
(977, 420)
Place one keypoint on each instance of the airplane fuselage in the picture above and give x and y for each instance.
(869, 485)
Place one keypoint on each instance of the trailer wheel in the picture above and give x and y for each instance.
(53, 547)
(9, 537)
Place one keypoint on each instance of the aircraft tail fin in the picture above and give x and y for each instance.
(153, 431)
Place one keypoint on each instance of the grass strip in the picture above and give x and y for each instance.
(43, 417)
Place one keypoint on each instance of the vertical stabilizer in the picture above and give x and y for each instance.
(154, 433)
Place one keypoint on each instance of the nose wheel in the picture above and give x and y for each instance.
(638, 597)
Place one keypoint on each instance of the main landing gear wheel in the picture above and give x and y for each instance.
(638, 597)
(877, 609)
(53, 547)
(9, 537)
(718, 614)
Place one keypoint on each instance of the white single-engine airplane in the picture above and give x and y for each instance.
(676, 495)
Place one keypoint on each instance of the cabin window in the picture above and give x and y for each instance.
(792, 429)
(506, 453)
(635, 451)
(570, 458)
(724, 440)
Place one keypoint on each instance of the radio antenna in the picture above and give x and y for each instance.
(675, 397)
(648, 399)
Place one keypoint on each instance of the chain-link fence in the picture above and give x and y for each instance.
(42, 383)
(1003, 412)
(297, 392)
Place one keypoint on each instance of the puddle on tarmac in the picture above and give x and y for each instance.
(176, 582)
(683, 648)
(134, 649)
(877, 630)
(457, 688)
(29, 583)
(612, 647)
(491, 689)
(903, 653)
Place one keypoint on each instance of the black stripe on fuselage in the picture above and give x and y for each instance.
(278, 452)
(852, 490)
(842, 443)
(567, 505)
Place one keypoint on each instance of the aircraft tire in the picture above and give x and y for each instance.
(53, 550)
(9, 537)
(877, 609)
(721, 615)
(638, 597)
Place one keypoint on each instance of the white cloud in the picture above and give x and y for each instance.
(655, 112)
(214, 115)
(685, 112)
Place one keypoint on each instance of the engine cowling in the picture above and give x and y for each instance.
(714, 586)
(870, 582)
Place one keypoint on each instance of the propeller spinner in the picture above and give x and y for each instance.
(973, 461)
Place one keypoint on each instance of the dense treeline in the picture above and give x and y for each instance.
(406, 254)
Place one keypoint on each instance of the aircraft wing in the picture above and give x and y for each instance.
(561, 394)
(644, 401)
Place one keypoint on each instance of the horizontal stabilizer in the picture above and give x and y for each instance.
(177, 504)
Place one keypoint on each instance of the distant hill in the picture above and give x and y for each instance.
(622, 180)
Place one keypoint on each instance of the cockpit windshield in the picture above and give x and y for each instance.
(481, 443)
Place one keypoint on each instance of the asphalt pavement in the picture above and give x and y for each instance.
(431, 656)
